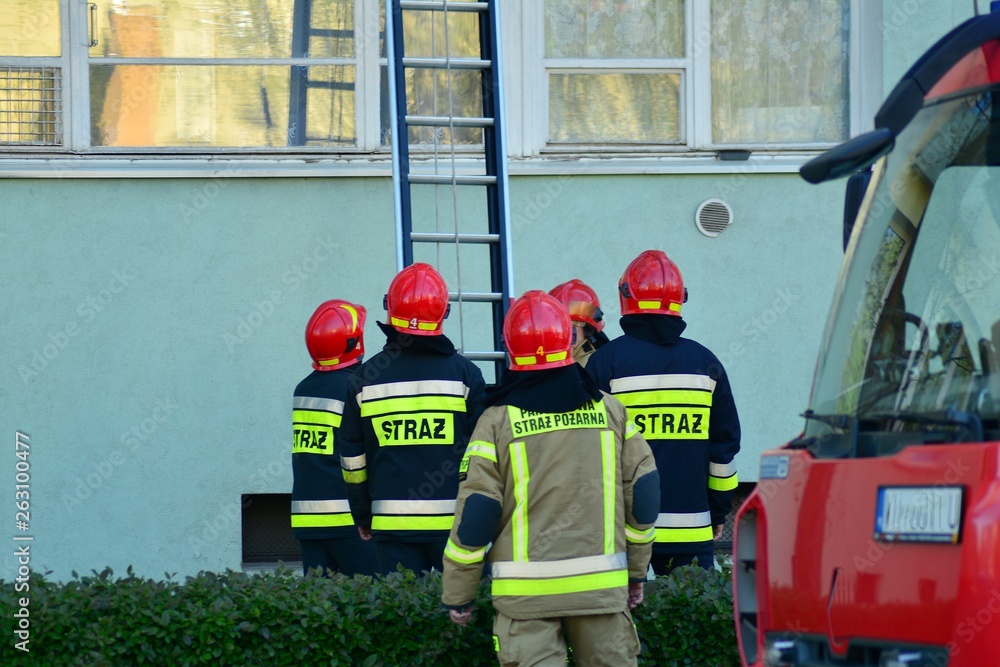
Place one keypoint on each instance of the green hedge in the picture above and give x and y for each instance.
(280, 618)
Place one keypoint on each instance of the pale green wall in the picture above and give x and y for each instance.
(155, 399)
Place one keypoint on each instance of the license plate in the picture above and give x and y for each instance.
(919, 514)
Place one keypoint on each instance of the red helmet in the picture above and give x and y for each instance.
(417, 300)
(538, 333)
(652, 285)
(581, 302)
(335, 335)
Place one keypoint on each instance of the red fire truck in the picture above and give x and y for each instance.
(874, 537)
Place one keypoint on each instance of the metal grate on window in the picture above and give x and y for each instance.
(31, 109)
(267, 529)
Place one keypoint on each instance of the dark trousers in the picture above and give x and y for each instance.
(665, 563)
(348, 555)
(416, 556)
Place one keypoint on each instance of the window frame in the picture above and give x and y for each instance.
(525, 82)
(865, 86)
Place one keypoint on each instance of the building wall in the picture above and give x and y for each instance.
(152, 327)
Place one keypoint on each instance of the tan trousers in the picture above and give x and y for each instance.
(599, 640)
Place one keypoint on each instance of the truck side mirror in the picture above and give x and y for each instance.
(857, 184)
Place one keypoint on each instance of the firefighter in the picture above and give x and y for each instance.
(321, 517)
(559, 493)
(411, 410)
(585, 311)
(678, 394)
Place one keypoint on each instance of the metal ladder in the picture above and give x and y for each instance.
(494, 179)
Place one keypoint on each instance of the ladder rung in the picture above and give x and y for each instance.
(485, 356)
(440, 6)
(445, 121)
(447, 63)
(446, 179)
(438, 237)
(476, 297)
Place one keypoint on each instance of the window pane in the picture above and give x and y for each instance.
(614, 29)
(234, 106)
(30, 106)
(621, 107)
(30, 28)
(225, 29)
(780, 71)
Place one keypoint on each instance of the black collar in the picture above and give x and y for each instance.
(395, 340)
(554, 390)
(658, 329)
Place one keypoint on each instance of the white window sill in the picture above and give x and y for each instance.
(381, 165)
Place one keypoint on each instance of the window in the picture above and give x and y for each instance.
(689, 74)
(297, 76)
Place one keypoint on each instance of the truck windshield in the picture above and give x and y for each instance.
(911, 345)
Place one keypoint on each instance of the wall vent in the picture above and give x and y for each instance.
(713, 216)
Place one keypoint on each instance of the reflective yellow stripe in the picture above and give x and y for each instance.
(703, 534)
(328, 362)
(421, 326)
(402, 522)
(723, 483)
(482, 448)
(578, 584)
(321, 520)
(639, 536)
(412, 404)
(525, 422)
(631, 429)
(354, 316)
(649, 305)
(525, 361)
(355, 476)
(671, 423)
(556, 356)
(676, 307)
(608, 477)
(519, 520)
(463, 556)
(415, 428)
(313, 431)
(664, 397)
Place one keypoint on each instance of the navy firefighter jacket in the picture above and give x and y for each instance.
(677, 392)
(411, 410)
(319, 496)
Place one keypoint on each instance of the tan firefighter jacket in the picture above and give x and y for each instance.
(562, 505)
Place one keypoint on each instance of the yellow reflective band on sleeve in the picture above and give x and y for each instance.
(525, 422)
(639, 536)
(563, 585)
(671, 423)
(649, 305)
(355, 476)
(608, 477)
(414, 522)
(723, 483)
(321, 520)
(703, 534)
(389, 406)
(631, 429)
(665, 397)
(482, 448)
(519, 520)
(464, 556)
(312, 431)
(421, 428)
